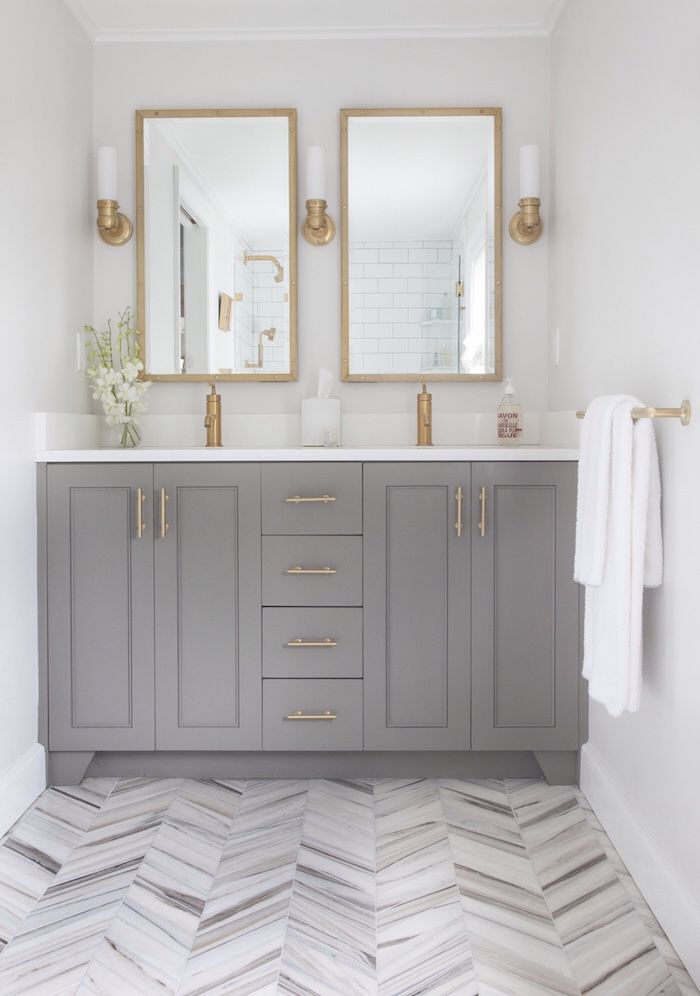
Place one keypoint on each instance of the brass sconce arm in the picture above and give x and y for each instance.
(526, 225)
(114, 228)
(319, 227)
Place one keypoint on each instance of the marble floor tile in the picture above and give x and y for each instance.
(666, 949)
(515, 946)
(53, 947)
(422, 942)
(607, 944)
(241, 933)
(330, 943)
(38, 845)
(394, 887)
(148, 942)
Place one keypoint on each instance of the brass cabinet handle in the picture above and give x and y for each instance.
(482, 517)
(328, 642)
(459, 497)
(298, 500)
(164, 524)
(328, 714)
(311, 570)
(140, 524)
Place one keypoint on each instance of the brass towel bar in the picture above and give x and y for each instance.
(683, 413)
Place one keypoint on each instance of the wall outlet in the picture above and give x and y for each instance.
(555, 347)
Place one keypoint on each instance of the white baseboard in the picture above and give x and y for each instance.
(21, 785)
(659, 882)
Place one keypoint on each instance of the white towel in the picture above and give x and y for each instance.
(618, 546)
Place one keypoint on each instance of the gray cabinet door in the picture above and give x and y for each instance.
(100, 607)
(525, 608)
(207, 606)
(416, 638)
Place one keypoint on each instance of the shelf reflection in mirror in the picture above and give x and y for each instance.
(421, 244)
(216, 226)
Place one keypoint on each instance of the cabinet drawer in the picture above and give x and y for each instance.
(312, 498)
(312, 643)
(339, 698)
(312, 570)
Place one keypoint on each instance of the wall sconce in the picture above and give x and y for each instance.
(319, 228)
(115, 228)
(526, 226)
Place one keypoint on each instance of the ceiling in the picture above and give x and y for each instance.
(203, 20)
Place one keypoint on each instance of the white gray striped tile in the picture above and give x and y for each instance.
(609, 949)
(515, 946)
(422, 943)
(51, 951)
(666, 949)
(239, 943)
(147, 944)
(330, 942)
(34, 850)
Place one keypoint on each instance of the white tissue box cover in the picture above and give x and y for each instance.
(319, 416)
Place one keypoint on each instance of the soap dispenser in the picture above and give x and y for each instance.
(510, 417)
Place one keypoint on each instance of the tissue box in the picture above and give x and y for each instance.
(319, 416)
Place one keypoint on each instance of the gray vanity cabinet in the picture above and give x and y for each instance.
(525, 607)
(100, 607)
(416, 606)
(207, 606)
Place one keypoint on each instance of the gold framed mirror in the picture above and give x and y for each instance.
(216, 238)
(421, 244)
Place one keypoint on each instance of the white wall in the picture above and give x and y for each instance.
(318, 78)
(46, 268)
(625, 292)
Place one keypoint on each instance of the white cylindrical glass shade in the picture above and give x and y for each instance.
(316, 173)
(529, 171)
(106, 173)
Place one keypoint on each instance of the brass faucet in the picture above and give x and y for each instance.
(212, 420)
(425, 418)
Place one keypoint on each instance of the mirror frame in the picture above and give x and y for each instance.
(277, 112)
(497, 115)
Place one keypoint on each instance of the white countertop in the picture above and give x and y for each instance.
(363, 454)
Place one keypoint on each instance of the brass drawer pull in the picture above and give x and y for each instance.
(328, 642)
(459, 497)
(298, 500)
(311, 570)
(164, 524)
(140, 524)
(328, 714)
(482, 517)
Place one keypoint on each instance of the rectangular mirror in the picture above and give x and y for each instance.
(421, 244)
(216, 244)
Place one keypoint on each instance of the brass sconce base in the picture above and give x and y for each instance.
(319, 228)
(114, 228)
(526, 226)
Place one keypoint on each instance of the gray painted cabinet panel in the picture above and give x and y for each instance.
(340, 554)
(283, 697)
(525, 608)
(312, 643)
(341, 482)
(207, 607)
(416, 616)
(100, 608)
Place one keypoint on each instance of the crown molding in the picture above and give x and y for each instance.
(350, 33)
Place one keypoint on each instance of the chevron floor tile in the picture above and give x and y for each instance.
(392, 887)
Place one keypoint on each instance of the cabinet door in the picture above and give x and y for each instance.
(100, 607)
(416, 638)
(207, 606)
(525, 636)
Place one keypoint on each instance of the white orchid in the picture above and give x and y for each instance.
(114, 367)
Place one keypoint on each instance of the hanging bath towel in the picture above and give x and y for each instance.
(618, 545)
